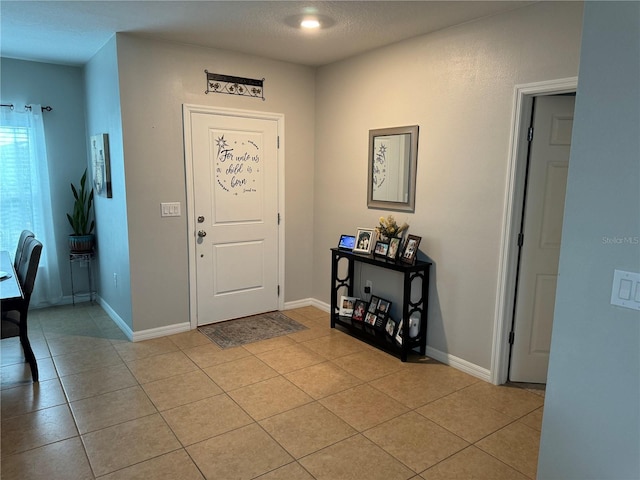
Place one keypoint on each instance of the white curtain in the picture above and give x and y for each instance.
(25, 200)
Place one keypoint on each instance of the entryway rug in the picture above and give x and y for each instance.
(234, 333)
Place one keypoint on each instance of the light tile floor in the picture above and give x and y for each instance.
(317, 404)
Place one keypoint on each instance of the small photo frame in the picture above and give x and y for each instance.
(365, 239)
(391, 327)
(381, 249)
(346, 306)
(383, 306)
(399, 333)
(359, 311)
(371, 319)
(410, 251)
(373, 304)
(394, 248)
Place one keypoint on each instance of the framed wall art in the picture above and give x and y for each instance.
(101, 164)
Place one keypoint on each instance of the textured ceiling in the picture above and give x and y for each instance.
(71, 32)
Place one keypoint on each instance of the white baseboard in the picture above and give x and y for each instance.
(307, 302)
(325, 307)
(459, 364)
(161, 331)
(121, 324)
(144, 334)
(446, 358)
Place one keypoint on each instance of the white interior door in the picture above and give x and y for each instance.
(235, 187)
(542, 232)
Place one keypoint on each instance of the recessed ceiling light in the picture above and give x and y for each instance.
(310, 23)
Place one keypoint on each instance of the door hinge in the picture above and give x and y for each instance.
(511, 337)
(278, 137)
(278, 290)
(278, 218)
(520, 239)
(530, 134)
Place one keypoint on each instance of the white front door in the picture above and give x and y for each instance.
(542, 231)
(235, 209)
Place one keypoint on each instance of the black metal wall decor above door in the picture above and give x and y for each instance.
(246, 87)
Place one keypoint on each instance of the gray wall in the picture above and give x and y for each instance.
(60, 87)
(458, 86)
(591, 425)
(112, 230)
(155, 80)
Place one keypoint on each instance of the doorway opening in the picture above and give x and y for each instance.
(510, 256)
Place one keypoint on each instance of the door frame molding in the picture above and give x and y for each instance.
(513, 204)
(187, 110)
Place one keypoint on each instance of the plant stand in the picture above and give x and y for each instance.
(86, 259)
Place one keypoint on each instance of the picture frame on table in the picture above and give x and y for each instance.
(383, 306)
(391, 327)
(398, 336)
(377, 313)
(410, 250)
(359, 311)
(365, 240)
(373, 304)
(381, 249)
(346, 306)
(371, 319)
(394, 248)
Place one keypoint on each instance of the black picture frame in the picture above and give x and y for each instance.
(373, 304)
(381, 249)
(391, 327)
(371, 319)
(359, 311)
(383, 306)
(410, 250)
(377, 313)
(394, 248)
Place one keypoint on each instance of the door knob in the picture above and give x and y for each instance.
(202, 233)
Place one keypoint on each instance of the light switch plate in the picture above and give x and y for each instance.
(625, 291)
(170, 209)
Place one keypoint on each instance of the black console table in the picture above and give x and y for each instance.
(411, 273)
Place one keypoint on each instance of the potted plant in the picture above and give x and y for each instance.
(82, 238)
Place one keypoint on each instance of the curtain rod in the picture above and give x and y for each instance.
(28, 107)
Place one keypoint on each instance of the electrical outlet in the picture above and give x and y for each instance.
(368, 286)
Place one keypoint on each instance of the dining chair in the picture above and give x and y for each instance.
(20, 248)
(14, 311)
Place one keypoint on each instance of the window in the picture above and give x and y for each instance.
(25, 202)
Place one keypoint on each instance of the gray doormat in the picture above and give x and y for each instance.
(241, 331)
